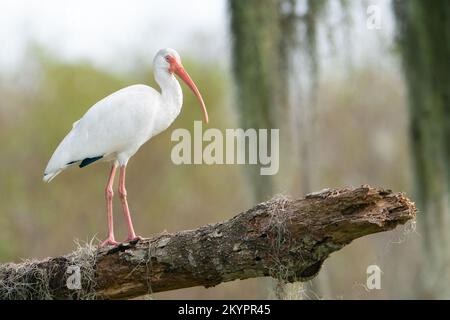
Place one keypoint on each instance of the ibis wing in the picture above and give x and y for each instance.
(119, 123)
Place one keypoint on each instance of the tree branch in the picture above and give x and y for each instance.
(283, 238)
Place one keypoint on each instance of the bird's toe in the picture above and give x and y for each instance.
(108, 242)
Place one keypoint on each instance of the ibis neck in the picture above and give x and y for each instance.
(171, 94)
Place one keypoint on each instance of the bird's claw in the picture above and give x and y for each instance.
(108, 242)
(111, 242)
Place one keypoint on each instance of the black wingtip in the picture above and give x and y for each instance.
(88, 161)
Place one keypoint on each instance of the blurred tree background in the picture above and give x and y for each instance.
(424, 40)
(312, 68)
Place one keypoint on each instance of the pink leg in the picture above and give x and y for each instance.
(126, 210)
(109, 193)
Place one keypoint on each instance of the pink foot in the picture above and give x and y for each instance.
(109, 242)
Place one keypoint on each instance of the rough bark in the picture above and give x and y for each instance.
(283, 238)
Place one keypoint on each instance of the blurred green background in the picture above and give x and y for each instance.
(346, 111)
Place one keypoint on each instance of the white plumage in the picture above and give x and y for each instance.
(118, 125)
(115, 128)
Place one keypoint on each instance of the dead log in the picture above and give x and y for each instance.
(282, 238)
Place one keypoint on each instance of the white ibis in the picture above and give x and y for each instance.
(116, 127)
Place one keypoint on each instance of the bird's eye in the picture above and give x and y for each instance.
(167, 58)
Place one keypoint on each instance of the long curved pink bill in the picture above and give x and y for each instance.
(179, 70)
